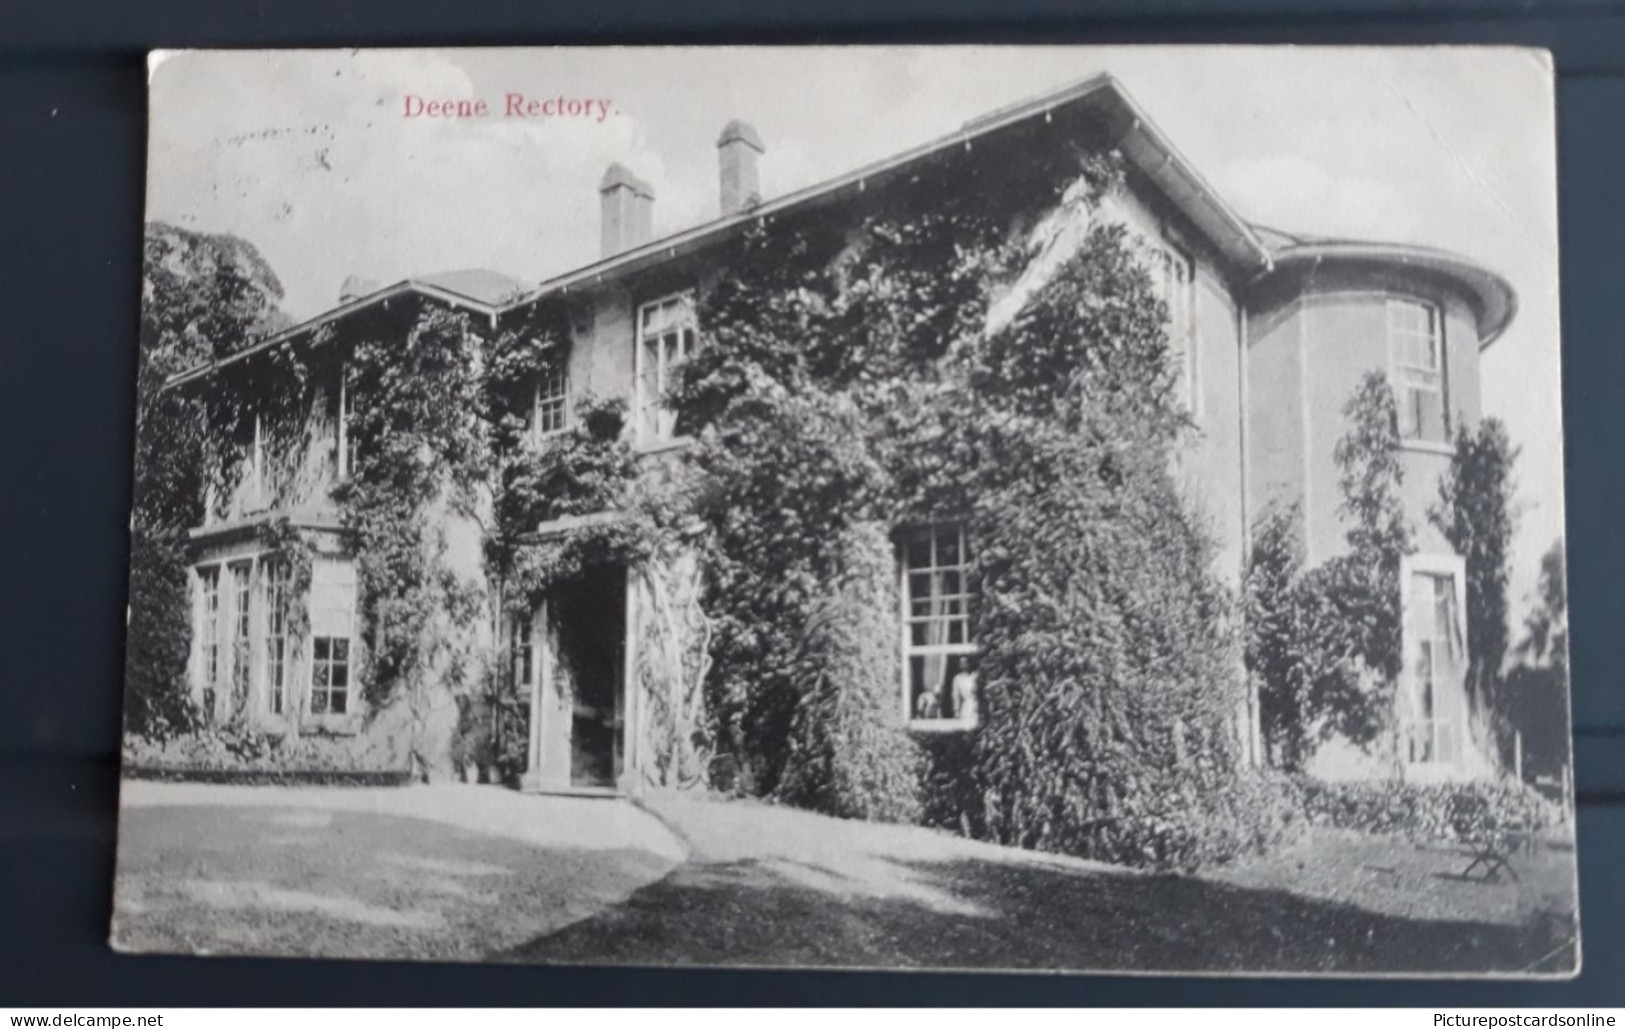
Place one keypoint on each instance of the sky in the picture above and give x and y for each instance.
(309, 155)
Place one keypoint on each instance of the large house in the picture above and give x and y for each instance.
(1274, 331)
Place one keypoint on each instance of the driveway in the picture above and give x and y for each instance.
(430, 872)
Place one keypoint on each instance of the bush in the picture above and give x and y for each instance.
(849, 754)
(1421, 812)
(156, 702)
(243, 755)
(949, 795)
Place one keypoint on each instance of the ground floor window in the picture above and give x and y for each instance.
(329, 675)
(277, 598)
(245, 648)
(1436, 663)
(523, 649)
(208, 636)
(939, 680)
(332, 630)
(242, 591)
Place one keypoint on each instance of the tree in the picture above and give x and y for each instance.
(1474, 513)
(1275, 639)
(1537, 687)
(1326, 642)
(202, 296)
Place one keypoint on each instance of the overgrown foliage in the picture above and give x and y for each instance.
(1279, 646)
(849, 753)
(1324, 644)
(1474, 513)
(1537, 688)
(871, 377)
(203, 296)
(1422, 812)
(420, 451)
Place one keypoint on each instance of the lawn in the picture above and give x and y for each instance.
(771, 886)
(352, 873)
(335, 883)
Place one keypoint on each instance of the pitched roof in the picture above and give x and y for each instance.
(1133, 131)
(1251, 251)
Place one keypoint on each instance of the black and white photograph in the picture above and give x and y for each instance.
(988, 508)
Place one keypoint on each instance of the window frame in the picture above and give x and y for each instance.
(557, 403)
(650, 415)
(322, 627)
(1184, 327)
(275, 657)
(325, 687)
(241, 626)
(260, 497)
(208, 636)
(344, 458)
(522, 648)
(1441, 731)
(1410, 378)
(967, 647)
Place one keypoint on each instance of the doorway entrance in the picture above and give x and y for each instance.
(579, 732)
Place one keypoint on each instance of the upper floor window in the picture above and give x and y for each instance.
(1176, 281)
(346, 419)
(550, 410)
(938, 653)
(665, 335)
(1416, 348)
(257, 470)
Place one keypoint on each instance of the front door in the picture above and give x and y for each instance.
(579, 743)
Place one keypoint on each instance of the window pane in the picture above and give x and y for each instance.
(319, 674)
(919, 587)
(340, 703)
(319, 648)
(318, 702)
(341, 650)
(926, 688)
(918, 552)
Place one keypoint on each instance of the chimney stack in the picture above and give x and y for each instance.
(626, 210)
(737, 150)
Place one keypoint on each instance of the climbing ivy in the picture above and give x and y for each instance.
(420, 454)
(1324, 643)
(873, 376)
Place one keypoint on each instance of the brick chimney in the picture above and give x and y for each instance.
(626, 210)
(737, 150)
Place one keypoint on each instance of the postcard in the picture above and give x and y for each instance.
(1088, 509)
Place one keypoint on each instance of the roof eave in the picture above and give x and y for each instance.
(344, 310)
(1494, 301)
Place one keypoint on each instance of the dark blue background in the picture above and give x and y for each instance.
(72, 110)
